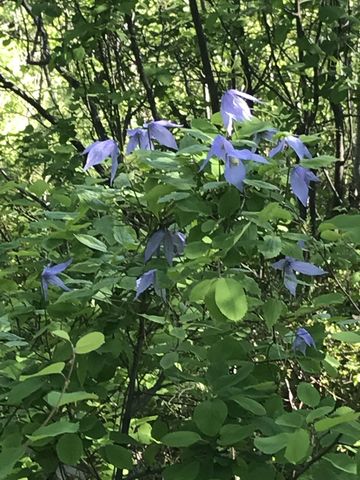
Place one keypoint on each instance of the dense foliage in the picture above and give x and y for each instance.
(179, 299)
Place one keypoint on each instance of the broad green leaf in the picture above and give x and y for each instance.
(180, 439)
(61, 334)
(90, 342)
(318, 162)
(69, 449)
(290, 419)
(182, 471)
(249, 404)
(57, 399)
(331, 422)
(270, 247)
(91, 242)
(298, 444)
(308, 394)
(169, 359)
(273, 211)
(272, 309)
(8, 458)
(328, 299)
(273, 444)
(53, 430)
(347, 337)
(230, 298)
(118, 456)
(232, 434)
(209, 416)
(318, 413)
(23, 390)
(342, 462)
(49, 370)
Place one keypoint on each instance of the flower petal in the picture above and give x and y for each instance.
(307, 268)
(290, 280)
(153, 244)
(144, 282)
(235, 174)
(277, 149)
(245, 154)
(298, 146)
(299, 185)
(162, 135)
(168, 247)
(55, 269)
(55, 280)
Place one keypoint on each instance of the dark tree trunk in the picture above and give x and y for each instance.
(205, 59)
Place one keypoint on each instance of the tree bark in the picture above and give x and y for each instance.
(205, 59)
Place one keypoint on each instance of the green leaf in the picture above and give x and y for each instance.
(90, 342)
(342, 462)
(23, 390)
(347, 337)
(331, 422)
(118, 456)
(69, 449)
(298, 444)
(209, 416)
(54, 429)
(232, 434)
(182, 471)
(61, 334)
(50, 370)
(328, 299)
(91, 242)
(8, 458)
(273, 444)
(273, 211)
(318, 413)
(230, 298)
(249, 404)
(168, 360)
(180, 439)
(308, 394)
(318, 162)
(272, 309)
(270, 247)
(57, 399)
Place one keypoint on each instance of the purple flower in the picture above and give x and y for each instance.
(154, 130)
(302, 340)
(300, 179)
(139, 138)
(98, 151)
(49, 276)
(173, 244)
(289, 266)
(294, 143)
(234, 169)
(233, 107)
(147, 280)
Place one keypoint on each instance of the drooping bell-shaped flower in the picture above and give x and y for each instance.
(295, 144)
(290, 265)
(142, 137)
(234, 168)
(234, 107)
(138, 138)
(300, 179)
(302, 340)
(49, 276)
(147, 280)
(98, 151)
(173, 243)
